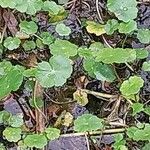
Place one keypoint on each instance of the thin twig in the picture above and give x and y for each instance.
(99, 94)
(87, 141)
(107, 131)
(98, 12)
(128, 65)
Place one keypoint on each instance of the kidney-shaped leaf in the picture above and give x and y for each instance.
(64, 48)
(28, 27)
(12, 43)
(35, 140)
(12, 134)
(131, 86)
(55, 72)
(124, 9)
(146, 66)
(87, 122)
(143, 36)
(52, 133)
(117, 55)
(62, 29)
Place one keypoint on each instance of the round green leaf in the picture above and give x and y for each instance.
(12, 134)
(146, 66)
(87, 122)
(29, 45)
(52, 133)
(125, 10)
(52, 7)
(16, 120)
(29, 6)
(137, 107)
(62, 29)
(47, 38)
(127, 27)
(143, 36)
(63, 47)
(12, 43)
(35, 140)
(117, 55)
(28, 27)
(141, 53)
(55, 72)
(111, 26)
(131, 86)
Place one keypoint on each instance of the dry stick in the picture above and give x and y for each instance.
(98, 12)
(87, 141)
(107, 131)
(99, 94)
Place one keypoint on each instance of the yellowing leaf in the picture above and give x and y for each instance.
(95, 28)
(68, 119)
(81, 97)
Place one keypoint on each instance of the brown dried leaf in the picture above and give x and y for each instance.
(10, 21)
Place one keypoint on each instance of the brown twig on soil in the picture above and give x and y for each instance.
(107, 131)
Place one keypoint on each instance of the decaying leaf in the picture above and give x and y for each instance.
(81, 97)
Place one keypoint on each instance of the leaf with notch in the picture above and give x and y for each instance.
(111, 26)
(29, 45)
(131, 86)
(137, 107)
(62, 29)
(64, 48)
(146, 66)
(55, 72)
(52, 7)
(28, 27)
(47, 38)
(12, 134)
(52, 133)
(141, 53)
(143, 36)
(127, 27)
(12, 43)
(117, 55)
